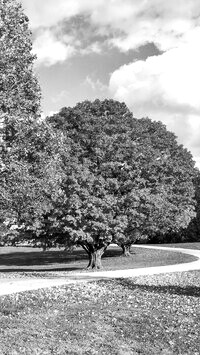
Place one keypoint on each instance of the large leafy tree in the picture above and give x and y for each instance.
(30, 178)
(19, 98)
(93, 174)
(131, 177)
(19, 89)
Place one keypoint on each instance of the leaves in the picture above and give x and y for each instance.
(19, 89)
(158, 312)
(98, 173)
(101, 174)
(138, 176)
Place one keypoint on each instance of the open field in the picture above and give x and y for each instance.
(143, 315)
(31, 261)
(156, 315)
(195, 245)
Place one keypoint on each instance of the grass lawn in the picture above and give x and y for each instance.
(30, 261)
(195, 245)
(158, 315)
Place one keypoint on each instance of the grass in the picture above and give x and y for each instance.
(194, 245)
(30, 261)
(156, 315)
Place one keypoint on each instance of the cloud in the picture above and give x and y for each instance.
(133, 23)
(74, 36)
(166, 88)
(51, 50)
(127, 24)
(47, 13)
(95, 85)
(156, 21)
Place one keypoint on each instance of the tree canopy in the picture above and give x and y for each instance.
(133, 177)
(89, 175)
(19, 88)
(94, 174)
(19, 104)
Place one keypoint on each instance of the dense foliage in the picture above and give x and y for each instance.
(128, 177)
(89, 175)
(190, 233)
(19, 108)
(93, 174)
(19, 89)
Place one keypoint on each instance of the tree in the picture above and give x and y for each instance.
(30, 179)
(131, 177)
(19, 89)
(19, 97)
(192, 232)
(93, 174)
(196, 221)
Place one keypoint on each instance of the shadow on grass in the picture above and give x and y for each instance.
(38, 260)
(39, 269)
(193, 291)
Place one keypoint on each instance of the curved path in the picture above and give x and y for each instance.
(9, 286)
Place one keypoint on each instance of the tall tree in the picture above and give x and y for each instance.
(19, 92)
(19, 89)
(135, 177)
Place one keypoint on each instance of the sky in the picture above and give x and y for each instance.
(145, 53)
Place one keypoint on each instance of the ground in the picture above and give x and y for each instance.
(156, 314)
(31, 261)
(144, 315)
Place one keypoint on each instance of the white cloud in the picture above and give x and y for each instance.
(165, 88)
(129, 24)
(136, 22)
(47, 13)
(51, 50)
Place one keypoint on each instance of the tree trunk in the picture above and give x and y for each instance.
(126, 249)
(94, 254)
(95, 259)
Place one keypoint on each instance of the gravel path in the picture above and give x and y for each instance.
(9, 286)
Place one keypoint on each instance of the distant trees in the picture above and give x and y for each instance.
(189, 233)
(192, 232)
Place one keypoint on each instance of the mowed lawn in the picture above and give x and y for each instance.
(26, 260)
(195, 245)
(158, 315)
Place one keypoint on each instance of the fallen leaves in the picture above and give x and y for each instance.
(159, 312)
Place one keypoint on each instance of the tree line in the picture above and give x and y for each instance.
(88, 175)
